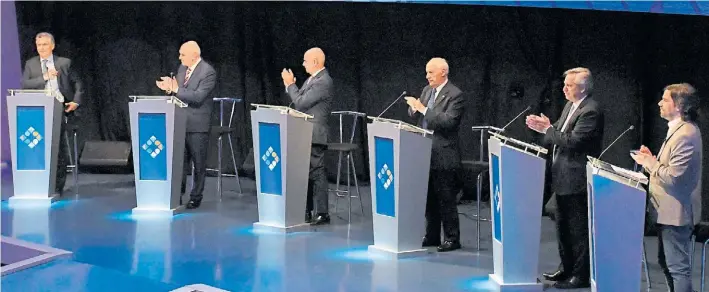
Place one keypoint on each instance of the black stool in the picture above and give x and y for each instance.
(347, 149)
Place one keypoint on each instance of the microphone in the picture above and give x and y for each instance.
(517, 117)
(616, 140)
(391, 104)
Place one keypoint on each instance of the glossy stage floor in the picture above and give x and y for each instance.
(216, 245)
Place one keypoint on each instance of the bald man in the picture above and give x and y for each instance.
(314, 98)
(440, 109)
(193, 85)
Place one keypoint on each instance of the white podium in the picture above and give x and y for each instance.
(517, 185)
(157, 127)
(616, 208)
(34, 119)
(399, 164)
(282, 144)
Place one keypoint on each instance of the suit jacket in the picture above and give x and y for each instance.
(583, 136)
(69, 84)
(676, 177)
(197, 93)
(444, 119)
(315, 98)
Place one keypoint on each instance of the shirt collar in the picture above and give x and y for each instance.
(578, 102)
(49, 59)
(317, 72)
(673, 123)
(440, 87)
(195, 65)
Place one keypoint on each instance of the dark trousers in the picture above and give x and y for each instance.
(317, 181)
(572, 234)
(196, 146)
(62, 159)
(673, 253)
(441, 206)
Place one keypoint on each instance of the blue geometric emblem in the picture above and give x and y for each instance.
(385, 187)
(270, 157)
(152, 133)
(497, 198)
(30, 138)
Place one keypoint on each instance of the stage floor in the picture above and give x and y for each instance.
(217, 246)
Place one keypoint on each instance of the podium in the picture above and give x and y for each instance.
(399, 163)
(282, 144)
(157, 127)
(516, 188)
(34, 119)
(616, 220)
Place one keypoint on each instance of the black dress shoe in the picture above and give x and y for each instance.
(192, 204)
(556, 276)
(448, 246)
(308, 217)
(430, 242)
(572, 283)
(321, 219)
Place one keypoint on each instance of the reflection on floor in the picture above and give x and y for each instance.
(216, 245)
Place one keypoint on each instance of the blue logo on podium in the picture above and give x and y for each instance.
(153, 157)
(30, 138)
(384, 163)
(592, 232)
(497, 198)
(270, 171)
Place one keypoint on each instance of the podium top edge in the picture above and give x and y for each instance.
(234, 99)
(167, 98)
(402, 125)
(487, 128)
(351, 113)
(284, 110)
(13, 92)
(505, 139)
(619, 171)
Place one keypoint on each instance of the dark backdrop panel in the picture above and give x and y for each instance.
(374, 52)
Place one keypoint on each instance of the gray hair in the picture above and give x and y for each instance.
(585, 74)
(45, 35)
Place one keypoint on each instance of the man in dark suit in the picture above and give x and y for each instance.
(578, 133)
(193, 85)
(49, 71)
(440, 109)
(314, 98)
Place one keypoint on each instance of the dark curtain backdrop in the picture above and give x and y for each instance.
(374, 52)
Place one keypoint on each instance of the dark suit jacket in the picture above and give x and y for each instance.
(198, 95)
(315, 98)
(69, 84)
(444, 119)
(582, 137)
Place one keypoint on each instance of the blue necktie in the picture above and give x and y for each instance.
(429, 106)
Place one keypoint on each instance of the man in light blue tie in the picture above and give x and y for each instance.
(440, 109)
(51, 72)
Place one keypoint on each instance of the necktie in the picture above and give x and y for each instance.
(563, 127)
(51, 84)
(187, 76)
(429, 105)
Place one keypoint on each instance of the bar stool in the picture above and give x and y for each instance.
(222, 131)
(700, 234)
(484, 165)
(347, 149)
(73, 165)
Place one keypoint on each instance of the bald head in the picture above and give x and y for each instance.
(436, 72)
(190, 53)
(314, 60)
